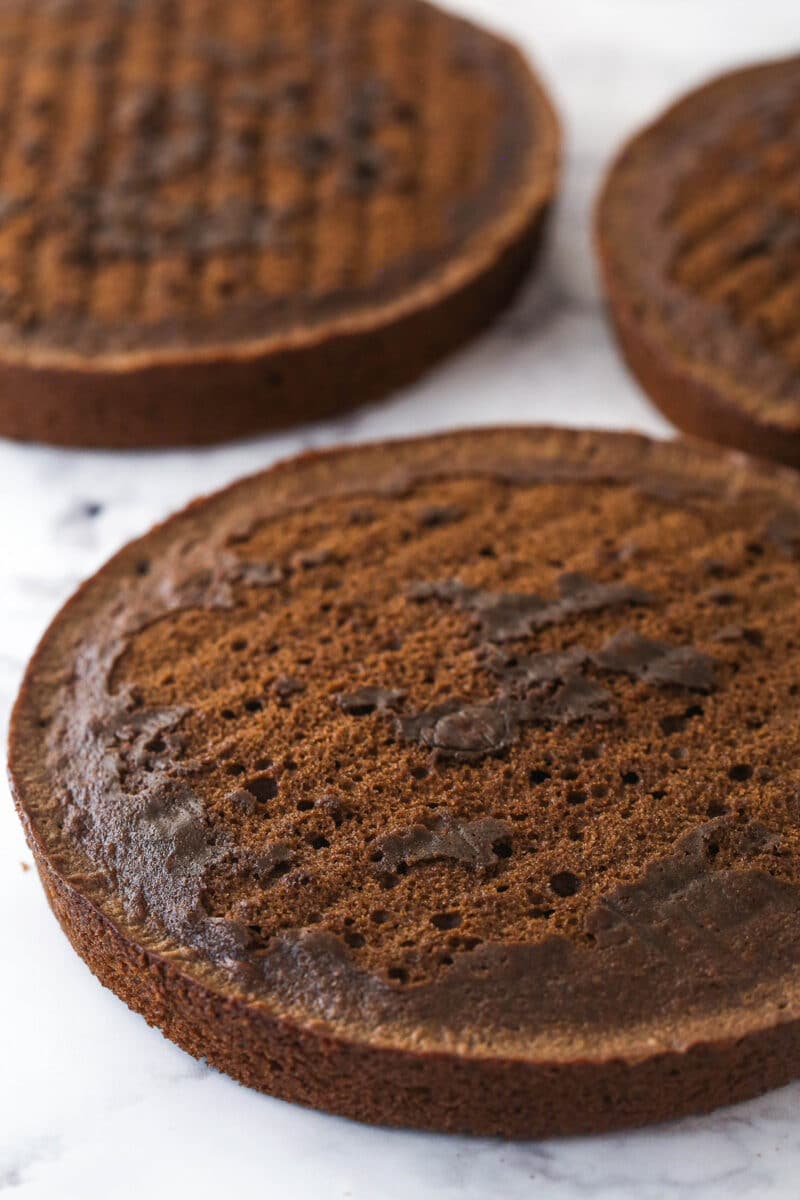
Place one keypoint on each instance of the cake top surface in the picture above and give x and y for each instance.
(710, 190)
(190, 174)
(484, 741)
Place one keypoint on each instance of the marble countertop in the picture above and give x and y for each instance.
(92, 1102)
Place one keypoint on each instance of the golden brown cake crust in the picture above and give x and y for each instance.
(697, 238)
(224, 216)
(448, 783)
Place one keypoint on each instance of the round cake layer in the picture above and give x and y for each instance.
(449, 782)
(698, 238)
(223, 215)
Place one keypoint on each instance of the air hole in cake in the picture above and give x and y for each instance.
(564, 883)
(405, 112)
(740, 772)
(262, 788)
(538, 776)
(576, 797)
(446, 920)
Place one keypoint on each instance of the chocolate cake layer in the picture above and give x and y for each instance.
(450, 783)
(224, 215)
(699, 243)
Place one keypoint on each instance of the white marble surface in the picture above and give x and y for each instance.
(95, 1104)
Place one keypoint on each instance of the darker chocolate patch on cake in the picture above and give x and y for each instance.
(509, 616)
(536, 669)
(783, 530)
(257, 574)
(657, 663)
(463, 732)
(704, 926)
(270, 863)
(549, 687)
(368, 700)
(286, 686)
(577, 699)
(434, 515)
(479, 844)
